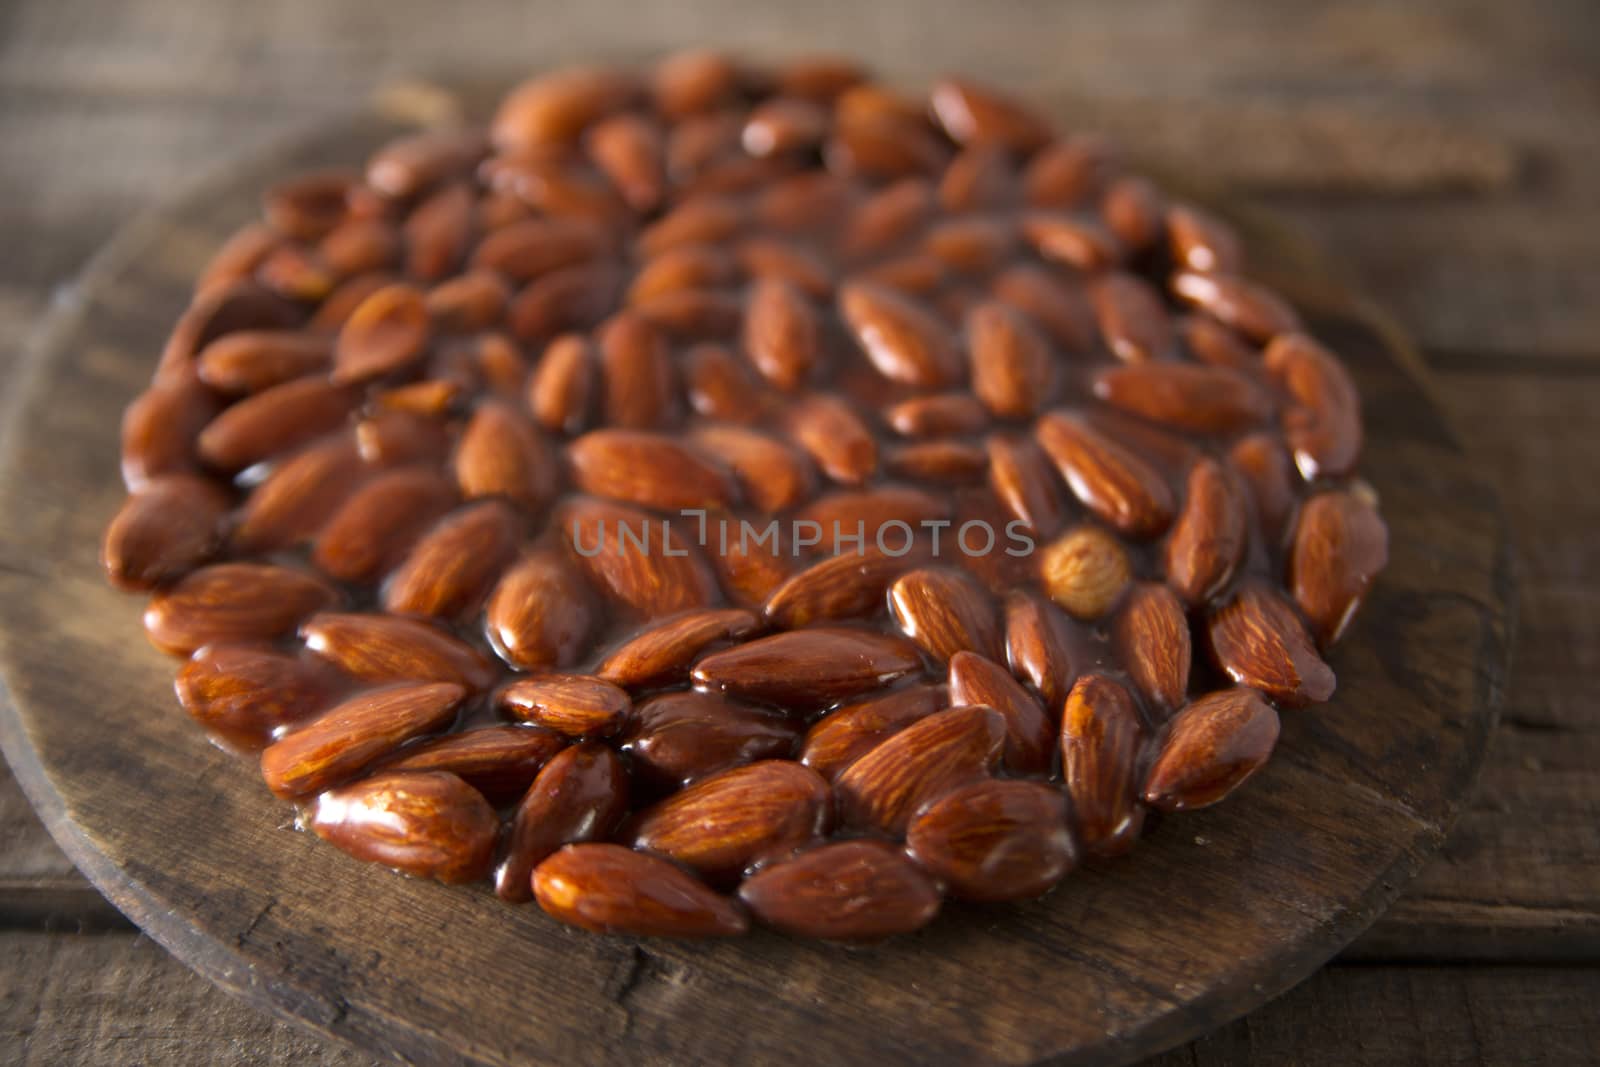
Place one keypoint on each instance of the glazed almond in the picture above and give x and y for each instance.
(680, 737)
(1340, 545)
(629, 150)
(609, 889)
(541, 613)
(974, 114)
(1133, 321)
(805, 669)
(945, 612)
(554, 108)
(662, 653)
(771, 474)
(1020, 475)
(161, 429)
(994, 840)
(1151, 636)
(163, 531)
(501, 454)
(845, 734)
(638, 381)
(343, 740)
(1252, 309)
(580, 795)
(575, 705)
(386, 649)
(884, 788)
(849, 891)
(652, 470)
(1211, 747)
(274, 421)
(781, 333)
(426, 823)
(839, 587)
(1212, 400)
(1323, 426)
(386, 333)
(1110, 480)
(1100, 739)
(562, 388)
(638, 561)
(455, 564)
(902, 339)
(232, 602)
(299, 497)
(498, 761)
(244, 695)
(1208, 539)
(1030, 735)
(1259, 641)
(1039, 647)
(834, 435)
(374, 527)
(1011, 366)
(249, 361)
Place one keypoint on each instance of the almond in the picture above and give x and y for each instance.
(394, 438)
(1132, 318)
(704, 220)
(1110, 479)
(1059, 306)
(994, 840)
(661, 655)
(1252, 309)
(1209, 538)
(945, 612)
(383, 649)
(541, 614)
(693, 314)
(248, 361)
(498, 761)
(679, 268)
(232, 602)
(432, 398)
(637, 375)
(580, 795)
(1323, 426)
(387, 332)
(1100, 740)
(773, 259)
(1085, 571)
(225, 309)
(720, 386)
(1011, 365)
(555, 108)
(299, 497)
(885, 788)
(974, 114)
(609, 889)
(337, 307)
(640, 562)
(805, 669)
(408, 165)
(1134, 210)
(1021, 478)
(844, 516)
(1073, 241)
(848, 890)
(1340, 545)
(839, 587)
(833, 434)
(1039, 647)
(687, 83)
(1202, 242)
(1151, 638)
(345, 739)
(468, 302)
(845, 734)
(455, 564)
(377, 524)
(1030, 735)
(771, 475)
(1259, 641)
(653, 470)
(426, 823)
(1213, 400)
(501, 454)
(562, 389)
(163, 531)
(1211, 747)
(752, 562)
(630, 150)
(781, 333)
(949, 414)
(979, 178)
(161, 428)
(883, 149)
(244, 695)
(575, 705)
(529, 250)
(1264, 464)
(274, 421)
(807, 204)
(439, 231)
(904, 340)
(723, 824)
(972, 246)
(888, 218)
(1210, 342)
(949, 463)
(569, 298)
(682, 737)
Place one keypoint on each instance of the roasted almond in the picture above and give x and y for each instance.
(1323, 426)
(1202, 242)
(638, 380)
(343, 740)
(249, 361)
(1030, 734)
(638, 561)
(580, 795)
(805, 669)
(163, 531)
(661, 655)
(608, 889)
(630, 150)
(845, 586)
(1213, 400)
(498, 761)
(501, 454)
(576, 705)
(883, 149)
(690, 82)
(1151, 638)
(975, 114)
(1264, 464)
(388, 332)
(1021, 477)
(693, 314)
(1210, 342)
(1111, 481)
(408, 165)
(426, 823)
(161, 428)
(944, 612)
(979, 178)
(1085, 571)
(781, 333)
(439, 231)
(886, 787)
(889, 217)
(948, 414)
(1209, 538)
(653, 470)
(848, 891)
(1259, 641)
(845, 734)
(1252, 309)
(973, 246)
(1210, 748)
(563, 386)
(703, 220)
(274, 421)
(541, 614)
(1340, 545)
(555, 108)
(904, 340)
(1074, 241)
(245, 695)
(679, 268)
(375, 526)
(1134, 211)
(383, 648)
(468, 302)
(723, 824)
(773, 259)
(1011, 369)
(569, 298)
(528, 250)
(1059, 306)
(720, 386)
(455, 564)
(771, 474)
(224, 309)
(1132, 318)
(395, 438)
(1039, 647)
(232, 602)
(829, 429)
(681, 737)
(994, 840)
(1100, 740)
(299, 497)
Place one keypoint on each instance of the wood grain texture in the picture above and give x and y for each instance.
(1217, 912)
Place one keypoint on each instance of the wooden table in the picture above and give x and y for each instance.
(1448, 154)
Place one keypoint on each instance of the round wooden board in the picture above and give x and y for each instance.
(1215, 913)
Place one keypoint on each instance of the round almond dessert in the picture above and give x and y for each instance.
(715, 495)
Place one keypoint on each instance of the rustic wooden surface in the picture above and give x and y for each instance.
(1476, 222)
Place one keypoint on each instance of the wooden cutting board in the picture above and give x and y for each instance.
(1215, 913)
